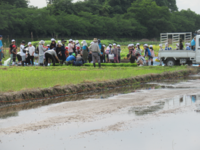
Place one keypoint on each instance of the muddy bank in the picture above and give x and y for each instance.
(62, 91)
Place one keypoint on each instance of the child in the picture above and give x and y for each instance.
(152, 54)
(66, 51)
(119, 51)
(147, 54)
(48, 46)
(1, 49)
(14, 52)
(177, 46)
(188, 46)
(138, 50)
(140, 59)
(167, 47)
(160, 46)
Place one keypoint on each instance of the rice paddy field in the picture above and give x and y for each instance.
(25, 78)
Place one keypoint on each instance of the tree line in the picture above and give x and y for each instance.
(108, 18)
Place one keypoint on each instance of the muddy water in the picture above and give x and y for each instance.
(152, 118)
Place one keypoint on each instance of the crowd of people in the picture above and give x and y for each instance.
(75, 53)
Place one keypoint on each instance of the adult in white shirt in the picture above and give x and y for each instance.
(22, 54)
(31, 50)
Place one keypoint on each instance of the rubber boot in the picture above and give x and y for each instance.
(152, 63)
(22, 63)
(99, 65)
(94, 64)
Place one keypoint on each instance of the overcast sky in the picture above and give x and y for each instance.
(182, 4)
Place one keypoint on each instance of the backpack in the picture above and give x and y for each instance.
(37, 50)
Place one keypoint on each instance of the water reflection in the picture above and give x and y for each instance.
(166, 104)
(12, 111)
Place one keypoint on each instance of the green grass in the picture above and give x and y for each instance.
(21, 78)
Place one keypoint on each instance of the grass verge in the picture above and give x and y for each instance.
(24, 78)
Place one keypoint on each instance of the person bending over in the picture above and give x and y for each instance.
(51, 54)
(140, 60)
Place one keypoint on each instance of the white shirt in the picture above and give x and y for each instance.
(31, 50)
(21, 50)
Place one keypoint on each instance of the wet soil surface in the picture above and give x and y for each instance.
(158, 116)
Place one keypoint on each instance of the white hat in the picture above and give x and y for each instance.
(77, 41)
(110, 44)
(104, 46)
(151, 46)
(53, 39)
(146, 45)
(160, 45)
(129, 45)
(137, 44)
(118, 46)
(74, 41)
(187, 44)
(42, 42)
(92, 43)
(177, 44)
(166, 44)
(132, 44)
(70, 40)
(114, 44)
(29, 43)
(48, 45)
(13, 40)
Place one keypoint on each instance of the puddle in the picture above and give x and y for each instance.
(144, 118)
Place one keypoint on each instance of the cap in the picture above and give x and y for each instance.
(129, 45)
(110, 44)
(137, 44)
(23, 42)
(166, 44)
(160, 45)
(73, 54)
(53, 39)
(104, 46)
(70, 40)
(114, 44)
(48, 45)
(77, 41)
(13, 40)
(63, 40)
(132, 44)
(66, 47)
(145, 44)
(118, 46)
(151, 46)
(29, 43)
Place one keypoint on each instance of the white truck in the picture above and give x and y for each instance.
(178, 57)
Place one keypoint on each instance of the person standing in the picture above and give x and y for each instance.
(1, 49)
(70, 47)
(138, 50)
(63, 57)
(31, 50)
(94, 48)
(14, 53)
(42, 49)
(10, 50)
(51, 54)
(115, 52)
(119, 52)
(193, 43)
(22, 52)
(53, 44)
(152, 54)
(108, 51)
(147, 54)
(85, 51)
(102, 57)
(181, 44)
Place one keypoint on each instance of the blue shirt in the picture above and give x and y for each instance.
(100, 45)
(147, 50)
(168, 48)
(84, 48)
(188, 48)
(193, 43)
(71, 57)
(1, 45)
